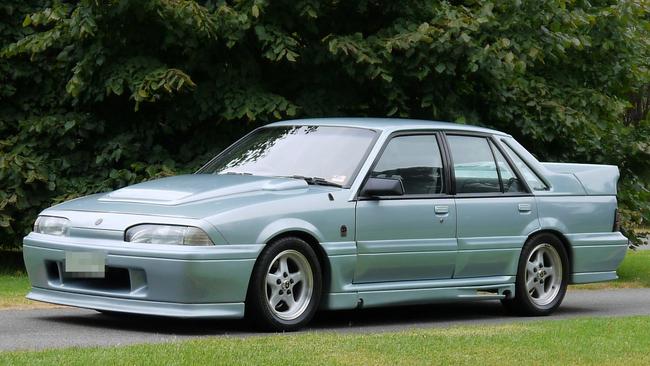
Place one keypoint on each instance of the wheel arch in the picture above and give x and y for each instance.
(323, 259)
(562, 238)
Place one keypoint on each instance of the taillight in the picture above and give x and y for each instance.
(617, 221)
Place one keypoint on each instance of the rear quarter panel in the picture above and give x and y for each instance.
(585, 218)
(586, 222)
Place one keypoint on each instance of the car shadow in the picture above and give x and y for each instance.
(373, 319)
(410, 315)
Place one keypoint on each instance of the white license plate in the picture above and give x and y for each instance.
(85, 264)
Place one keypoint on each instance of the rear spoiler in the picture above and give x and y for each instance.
(595, 179)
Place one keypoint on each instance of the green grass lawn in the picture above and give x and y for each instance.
(14, 285)
(636, 268)
(602, 341)
(13, 289)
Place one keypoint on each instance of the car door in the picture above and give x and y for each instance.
(411, 236)
(496, 211)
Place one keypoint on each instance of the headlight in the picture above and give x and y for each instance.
(52, 225)
(167, 234)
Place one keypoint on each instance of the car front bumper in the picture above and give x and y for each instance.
(165, 280)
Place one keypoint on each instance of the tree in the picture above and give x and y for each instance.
(121, 91)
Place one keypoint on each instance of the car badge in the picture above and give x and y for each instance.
(99, 221)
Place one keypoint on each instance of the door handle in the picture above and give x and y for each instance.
(525, 207)
(441, 210)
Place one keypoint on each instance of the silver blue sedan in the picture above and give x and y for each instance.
(338, 213)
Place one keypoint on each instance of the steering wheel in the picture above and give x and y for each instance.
(509, 184)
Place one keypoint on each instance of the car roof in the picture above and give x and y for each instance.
(385, 124)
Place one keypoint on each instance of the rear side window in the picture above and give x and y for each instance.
(509, 179)
(416, 161)
(474, 165)
(534, 181)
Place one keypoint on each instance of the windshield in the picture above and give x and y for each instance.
(327, 152)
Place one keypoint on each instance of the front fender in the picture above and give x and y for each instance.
(284, 225)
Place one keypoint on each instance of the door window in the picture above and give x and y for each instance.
(416, 161)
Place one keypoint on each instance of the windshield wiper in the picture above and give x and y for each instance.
(315, 180)
(236, 173)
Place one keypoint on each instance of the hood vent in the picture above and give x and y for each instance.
(195, 187)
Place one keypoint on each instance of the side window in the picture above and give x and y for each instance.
(416, 161)
(534, 181)
(508, 177)
(474, 165)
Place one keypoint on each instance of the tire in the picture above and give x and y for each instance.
(288, 275)
(542, 277)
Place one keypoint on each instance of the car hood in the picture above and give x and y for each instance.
(192, 196)
(185, 189)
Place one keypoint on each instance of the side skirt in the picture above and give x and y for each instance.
(420, 292)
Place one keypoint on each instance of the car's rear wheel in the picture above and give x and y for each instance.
(285, 287)
(542, 277)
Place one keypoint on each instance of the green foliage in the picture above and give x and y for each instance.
(95, 95)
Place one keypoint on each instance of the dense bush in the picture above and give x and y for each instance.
(98, 94)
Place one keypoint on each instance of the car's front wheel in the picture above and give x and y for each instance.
(285, 287)
(542, 277)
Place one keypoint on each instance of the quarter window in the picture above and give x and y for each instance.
(416, 161)
(474, 166)
(508, 177)
(534, 181)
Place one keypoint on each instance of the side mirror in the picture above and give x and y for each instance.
(382, 187)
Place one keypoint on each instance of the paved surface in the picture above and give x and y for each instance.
(66, 327)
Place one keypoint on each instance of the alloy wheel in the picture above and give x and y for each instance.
(289, 284)
(543, 274)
